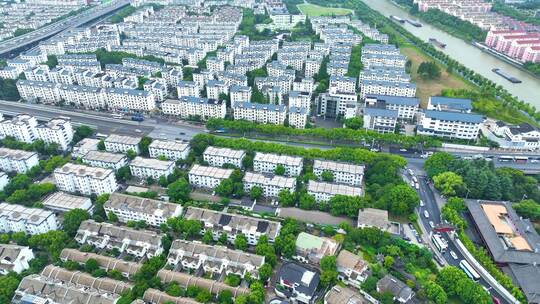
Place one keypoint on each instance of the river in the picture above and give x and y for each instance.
(468, 55)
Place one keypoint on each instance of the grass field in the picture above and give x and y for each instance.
(312, 10)
(427, 88)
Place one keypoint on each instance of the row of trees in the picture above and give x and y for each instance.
(38, 146)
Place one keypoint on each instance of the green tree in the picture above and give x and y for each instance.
(91, 265)
(279, 170)
(429, 70)
(73, 219)
(286, 198)
(131, 154)
(207, 237)
(225, 297)
(123, 174)
(328, 270)
(435, 293)
(225, 188)
(233, 280)
(307, 201)
(256, 192)
(82, 132)
(144, 144)
(447, 183)
(354, 123)
(327, 176)
(179, 190)
(438, 163)
(240, 242)
(399, 200)
(101, 145)
(265, 272)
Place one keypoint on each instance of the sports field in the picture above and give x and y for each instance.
(312, 10)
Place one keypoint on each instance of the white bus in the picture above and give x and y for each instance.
(506, 158)
(469, 271)
(439, 242)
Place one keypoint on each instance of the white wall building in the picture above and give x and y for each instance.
(260, 113)
(132, 208)
(122, 143)
(267, 163)
(343, 173)
(151, 167)
(450, 124)
(56, 130)
(270, 184)
(21, 127)
(172, 150)
(17, 160)
(14, 258)
(217, 157)
(187, 107)
(207, 177)
(105, 160)
(84, 179)
(325, 191)
(64, 202)
(380, 120)
(17, 218)
(298, 117)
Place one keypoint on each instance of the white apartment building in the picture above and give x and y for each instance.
(380, 120)
(299, 99)
(84, 96)
(187, 107)
(170, 149)
(105, 160)
(17, 160)
(84, 146)
(151, 167)
(343, 173)
(338, 105)
(22, 127)
(217, 157)
(122, 143)
(267, 163)
(270, 184)
(234, 224)
(56, 130)
(14, 258)
(342, 84)
(133, 100)
(188, 88)
(38, 90)
(306, 85)
(216, 87)
(207, 177)
(369, 60)
(298, 117)
(390, 88)
(323, 192)
(17, 218)
(213, 259)
(240, 93)
(312, 67)
(4, 180)
(64, 202)
(132, 208)
(406, 107)
(139, 243)
(439, 103)
(84, 179)
(450, 124)
(260, 113)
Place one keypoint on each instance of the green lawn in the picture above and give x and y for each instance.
(312, 10)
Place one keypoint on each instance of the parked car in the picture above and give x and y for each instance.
(453, 255)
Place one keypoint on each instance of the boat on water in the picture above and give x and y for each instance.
(506, 76)
(396, 18)
(414, 23)
(437, 43)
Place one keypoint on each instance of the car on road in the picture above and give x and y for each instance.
(426, 214)
(411, 173)
(374, 150)
(431, 224)
(417, 186)
(453, 255)
(138, 130)
(402, 150)
(182, 133)
(535, 160)
(422, 203)
(412, 184)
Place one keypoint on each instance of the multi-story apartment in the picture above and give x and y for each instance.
(342, 84)
(56, 130)
(217, 157)
(17, 160)
(133, 100)
(207, 177)
(380, 120)
(84, 179)
(17, 218)
(398, 61)
(438, 103)
(132, 208)
(450, 124)
(14, 258)
(214, 88)
(387, 49)
(188, 88)
(323, 192)
(298, 117)
(240, 93)
(122, 143)
(139, 243)
(260, 113)
(4, 180)
(173, 150)
(150, 167)
(21, 127)
(64, 202)
(306, 84)
(86, 145)
(299, 99)
(390, 88)
(38, 90)
(187, 107)
(267, 163)
(352, 269)
(105, 160)
(234, 224)
(338, 105)
(270, 184)
(213, 259)
(406, 107)
(343, 173)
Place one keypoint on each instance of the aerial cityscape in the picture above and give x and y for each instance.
(269, 151)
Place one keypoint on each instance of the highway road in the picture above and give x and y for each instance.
(12, 44)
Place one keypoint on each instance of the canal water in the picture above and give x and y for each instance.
(468, 55)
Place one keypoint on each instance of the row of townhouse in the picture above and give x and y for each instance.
(139, 243)
(25, 128)
(88, 97)
(193, 256)
(126, 268)
(19, 161)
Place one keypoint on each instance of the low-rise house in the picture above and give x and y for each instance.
(84, 146)
(151, 167)
(107, 263)
(172, 150)
(297, 282)
(213, 259)
(377, 218)
(133, 208)
(217, 157)
(14, 258)
(185, 280)
(352, 269)
(207, 177)
(105, 160)
(234, 224)
(311, 248)
(64, 202)
(154, 296)
(139, 243)
(344, 295)
(399, 290)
